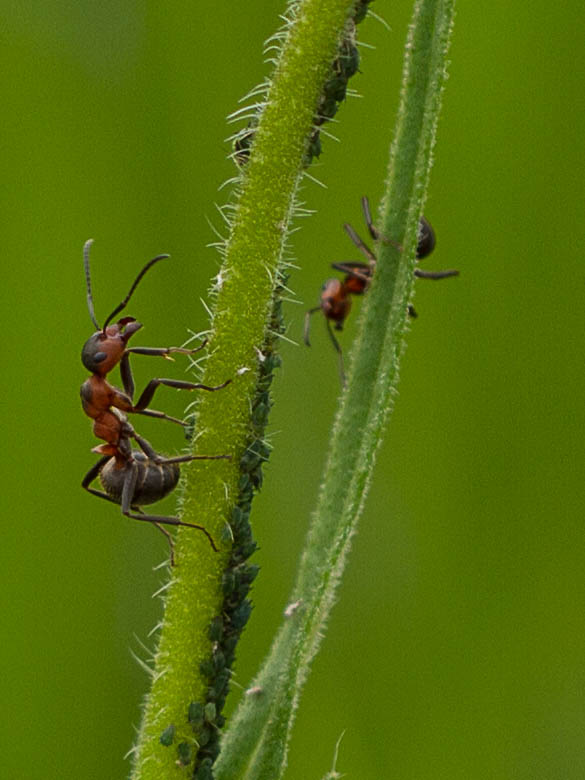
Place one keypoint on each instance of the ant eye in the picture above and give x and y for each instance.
(99, 357)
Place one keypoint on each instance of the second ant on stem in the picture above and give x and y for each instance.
(335, 294)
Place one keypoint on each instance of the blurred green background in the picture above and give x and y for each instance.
(457, 648)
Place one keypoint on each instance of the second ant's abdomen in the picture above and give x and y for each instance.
(154, 481)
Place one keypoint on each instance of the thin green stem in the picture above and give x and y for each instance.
(256, 742)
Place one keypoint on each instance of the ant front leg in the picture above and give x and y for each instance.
(126, 371)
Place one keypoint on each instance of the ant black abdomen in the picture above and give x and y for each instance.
(154, 480)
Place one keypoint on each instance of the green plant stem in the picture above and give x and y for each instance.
(255, 744)
(244, 299)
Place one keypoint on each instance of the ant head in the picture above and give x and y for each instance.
(102, 351)
(335, 303)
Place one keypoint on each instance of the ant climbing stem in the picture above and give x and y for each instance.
(335, 294)
(130, 478)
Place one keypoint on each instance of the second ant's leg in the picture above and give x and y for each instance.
(372, 229)
(337, 346)
(149, 390)
(365, 250)
(436, 275)
(308, 324)
(368, 218)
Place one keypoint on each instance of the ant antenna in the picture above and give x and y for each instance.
(86, 248)
(121, 305)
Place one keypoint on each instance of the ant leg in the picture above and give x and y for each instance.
(188, 458)
(308, 324)
(368, 219)
(339, 352)
(92, 474)
(165, 351)
(147, 448)
(94, 471)
(149, 390)
(373, 231)
(127, 496)
(434, 274)
(365, 250)
(170, 540)
(160, 416)
(126, 374)
(151, 453)
(411, 311)
(126, 371)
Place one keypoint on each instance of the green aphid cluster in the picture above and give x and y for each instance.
(345, 65)
(226, 628)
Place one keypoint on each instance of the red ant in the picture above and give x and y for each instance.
(335, 294)
(130, 478)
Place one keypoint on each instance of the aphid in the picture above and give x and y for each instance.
(131, 478)
(335, 294)
(242, 144)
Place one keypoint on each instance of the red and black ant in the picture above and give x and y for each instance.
(130, 477)
(335, 294)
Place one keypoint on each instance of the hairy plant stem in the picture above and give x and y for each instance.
(170, 734)
(255, 745)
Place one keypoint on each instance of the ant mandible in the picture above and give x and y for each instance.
(131, 478)
(335, 294)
